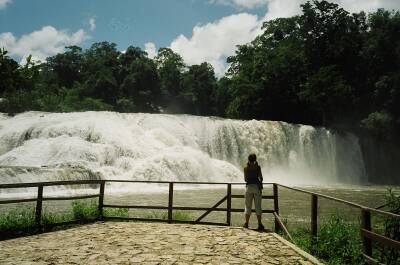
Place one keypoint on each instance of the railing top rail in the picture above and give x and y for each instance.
(48, 183)
(356, 205)
(77, 182)
(98, 181)
(180, 182)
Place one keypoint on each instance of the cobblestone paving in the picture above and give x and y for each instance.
(149, 243)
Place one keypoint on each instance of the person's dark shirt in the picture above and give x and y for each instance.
(252, 174)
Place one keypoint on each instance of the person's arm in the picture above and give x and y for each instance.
(260, 174)
(245, 174)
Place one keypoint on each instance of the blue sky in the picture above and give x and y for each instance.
(200, 30)
(125, 22)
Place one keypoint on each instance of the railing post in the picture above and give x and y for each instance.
(314, 216)
(170, 201)
(228, 204)
(314, 220)
(366, 224)
(39, 203)
(276, 205)
(101, 199)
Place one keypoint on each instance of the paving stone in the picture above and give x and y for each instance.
(149, 243)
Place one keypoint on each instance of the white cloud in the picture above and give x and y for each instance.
(241, 3)
(92, 23)
(214, 42)
(41, 44)
(4, 3)
(368, 5)
(151, 50)
(283, 8)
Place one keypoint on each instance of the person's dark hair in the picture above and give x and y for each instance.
(252, 158)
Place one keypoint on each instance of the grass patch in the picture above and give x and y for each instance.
(18, 221)
(176, 215)
(50, 219)
(116, 212)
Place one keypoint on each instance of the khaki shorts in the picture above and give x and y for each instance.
(253, 192)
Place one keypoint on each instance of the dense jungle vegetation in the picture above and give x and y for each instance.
(324, 67)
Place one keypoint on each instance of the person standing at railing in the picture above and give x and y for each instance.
(254, 179)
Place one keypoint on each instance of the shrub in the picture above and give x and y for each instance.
(385, 254)
(85, 211)
(338, 242)
(125, 105)
(379, 123)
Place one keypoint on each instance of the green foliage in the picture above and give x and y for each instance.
(21, 221)
(10, 79)
(125, 105)
(176, 215)
(50, 219)
(323, 67)
(327, 92)
(379, 123)
(17, 219)
(199, 88)
(121, 212)
(67, 66)
(85, 211)
(73, 102)
(386, 254)
(338, 242)
(170, 67)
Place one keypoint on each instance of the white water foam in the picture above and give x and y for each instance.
(173, 148)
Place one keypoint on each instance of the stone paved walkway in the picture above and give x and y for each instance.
(150, 243)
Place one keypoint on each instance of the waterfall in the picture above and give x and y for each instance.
(172, 147)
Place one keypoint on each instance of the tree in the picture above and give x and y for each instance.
(170, 67)
(141, 85)
(67, 66)
(328, 94)
(102, 85)
(223, 96)
(323, 67)
(100, 72)
(330, 34)
(267, 73)
(199, 89)
(9, 75)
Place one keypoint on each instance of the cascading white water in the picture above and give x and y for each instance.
(173, 147)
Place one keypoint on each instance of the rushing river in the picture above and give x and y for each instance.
(141, 146)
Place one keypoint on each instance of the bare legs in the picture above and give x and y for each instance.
(247, 217)
(253, 193)
(259, 219)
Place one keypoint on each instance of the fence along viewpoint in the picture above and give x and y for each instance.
(368, 236)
